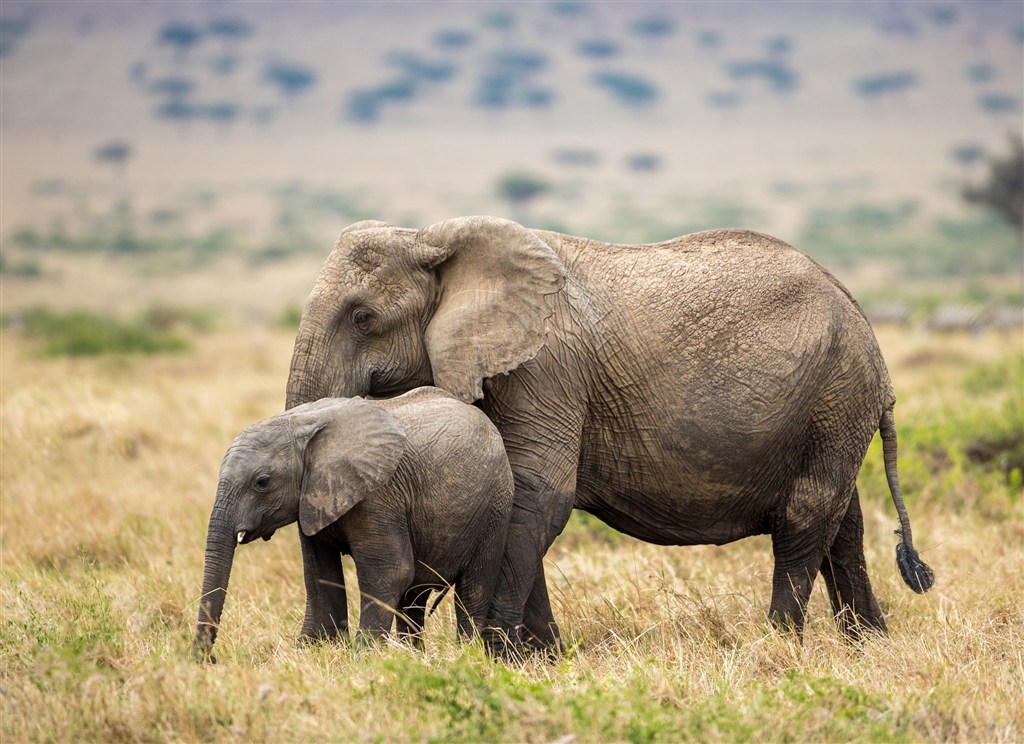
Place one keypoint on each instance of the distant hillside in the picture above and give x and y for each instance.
(138, 128)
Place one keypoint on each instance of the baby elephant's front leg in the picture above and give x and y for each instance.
(326, 602)
(383, 581)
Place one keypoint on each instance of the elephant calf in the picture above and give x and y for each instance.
(417, 489)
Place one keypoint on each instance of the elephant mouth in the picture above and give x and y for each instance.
(243, 537)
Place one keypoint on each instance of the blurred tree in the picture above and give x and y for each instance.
(366, 105)
(508, 80)
(967, 154)
(177, 110)
(709, 39)
(538, 98)
(981, 72)
(887, 83)
(724, 99)
(12, 30)
(998, 104)
(598, 48)
(495, 90)
(644, 162)
(569, 8)
(942, 15)
(115, 153)
(1003, 192)
(452, 39)
(629, 90)
(519, 62)
(499, 20)
(653, 27)
(429, 71)
(221, 112)
(289, 78)
(520, 188)
(172, 87)
(778, 76)
(779, 46)
(576, 156)
(137, 72)
(224, 64)
(180, 36)
(230, 29)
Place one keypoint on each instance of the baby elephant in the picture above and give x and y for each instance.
(417, 489)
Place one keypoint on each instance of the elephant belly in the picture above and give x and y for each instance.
(683, 491)
(712, 515)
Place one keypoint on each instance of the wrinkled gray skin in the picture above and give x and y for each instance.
(700, 390)
(417, 489)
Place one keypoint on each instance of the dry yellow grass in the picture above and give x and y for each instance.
(109, 468)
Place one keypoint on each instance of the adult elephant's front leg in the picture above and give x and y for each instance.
(540, 631)
(545, 492)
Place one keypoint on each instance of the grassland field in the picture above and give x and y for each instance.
(109, 467)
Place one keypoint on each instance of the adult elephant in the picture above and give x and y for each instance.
(696, 391)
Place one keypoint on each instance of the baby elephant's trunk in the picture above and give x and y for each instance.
(220, 552)
(915, 572)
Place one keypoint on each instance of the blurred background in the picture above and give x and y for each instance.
(168, 163)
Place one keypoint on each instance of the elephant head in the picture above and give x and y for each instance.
(449, 305)
(312, 464)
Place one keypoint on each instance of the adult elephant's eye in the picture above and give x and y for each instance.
(361, 318)
(261, 482)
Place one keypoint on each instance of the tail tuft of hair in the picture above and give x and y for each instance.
(915, 572)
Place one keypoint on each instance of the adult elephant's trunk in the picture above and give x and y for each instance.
(220, 553)
(320, 366)
(309, 377)
(306, 371)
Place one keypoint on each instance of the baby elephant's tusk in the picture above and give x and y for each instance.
(241, 536)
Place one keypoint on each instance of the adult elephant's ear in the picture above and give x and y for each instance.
(497, 285)
(348, 449)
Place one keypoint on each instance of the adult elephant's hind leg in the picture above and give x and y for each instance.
(846, 575)
(800, 539)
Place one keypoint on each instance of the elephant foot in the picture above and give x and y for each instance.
(504, 644)
(321, 635)
(788, 623)
(549, 646)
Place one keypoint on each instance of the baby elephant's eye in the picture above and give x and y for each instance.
(261, 482)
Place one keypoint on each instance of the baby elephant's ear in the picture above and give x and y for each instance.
(355, 447)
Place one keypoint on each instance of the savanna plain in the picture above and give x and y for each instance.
(109, 471)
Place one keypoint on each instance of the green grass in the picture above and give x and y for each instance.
(81, 333)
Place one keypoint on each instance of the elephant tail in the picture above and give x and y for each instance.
(916, 573)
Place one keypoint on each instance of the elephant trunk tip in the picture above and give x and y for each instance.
(917, 574)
